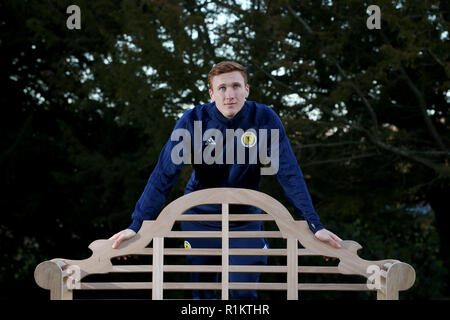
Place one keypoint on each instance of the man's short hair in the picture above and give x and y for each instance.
(225, 67)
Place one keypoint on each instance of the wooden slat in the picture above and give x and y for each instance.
(192, 268)
(307, 269)
(251, 217)
(232, 217)
(255, 234)
(306, 252)
(194, 234)
(134, 268)
(144, 252)
(200, 217)
(115, 285)
(333, 287)
(216, 252)
(192, 285)
(218, 268)
(190, 252)
(259, 269)
(181, 251)
(292, 264)
(217, 286)
(225, 247)
(158, 271)
(213, 268)
(232, 285)
(258, 286)
(258, 252)
(218, 234)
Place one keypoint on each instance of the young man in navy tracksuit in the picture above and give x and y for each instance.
(220, 140)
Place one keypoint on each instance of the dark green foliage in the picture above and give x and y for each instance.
(86, 112)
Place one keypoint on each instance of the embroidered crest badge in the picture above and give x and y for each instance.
(248, 139)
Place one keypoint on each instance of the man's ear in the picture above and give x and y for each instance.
(247, 88)
(211, 94)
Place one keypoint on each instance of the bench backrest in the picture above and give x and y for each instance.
(386, 277)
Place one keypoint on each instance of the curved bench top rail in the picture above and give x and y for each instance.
(350, 262)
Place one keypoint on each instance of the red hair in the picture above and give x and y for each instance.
(225, 67)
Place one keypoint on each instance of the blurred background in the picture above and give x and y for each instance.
(86, 112)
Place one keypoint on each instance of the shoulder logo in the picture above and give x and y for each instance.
(187, 245)
(248, 139)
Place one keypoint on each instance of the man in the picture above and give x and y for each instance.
(228, 112)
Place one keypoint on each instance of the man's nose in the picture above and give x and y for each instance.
(229, 94)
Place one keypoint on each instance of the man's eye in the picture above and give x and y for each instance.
(222, 88)
(236, 86)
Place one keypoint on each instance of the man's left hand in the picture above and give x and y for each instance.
(328, 236)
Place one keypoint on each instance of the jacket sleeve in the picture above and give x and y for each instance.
(290, 177)
(159, 184)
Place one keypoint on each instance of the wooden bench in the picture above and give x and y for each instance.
(63, 276)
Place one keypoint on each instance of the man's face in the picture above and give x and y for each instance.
(229, 93)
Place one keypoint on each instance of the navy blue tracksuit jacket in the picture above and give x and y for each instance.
(253, 117)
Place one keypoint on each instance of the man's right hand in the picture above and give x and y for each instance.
(122, 236)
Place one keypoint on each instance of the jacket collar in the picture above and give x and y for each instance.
(215, 113)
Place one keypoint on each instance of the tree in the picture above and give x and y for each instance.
(87, 111)
(369, 108)
(86, 114)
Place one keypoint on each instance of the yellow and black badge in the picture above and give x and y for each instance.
(248, 139)
(187, 245)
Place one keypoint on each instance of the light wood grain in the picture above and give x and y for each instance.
(231, 268)
(292, 264)
(231, 217)
(158, 268)
(395, 275)
(218, 234)
(225, 251)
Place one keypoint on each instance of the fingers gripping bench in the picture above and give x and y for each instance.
(63, 276)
